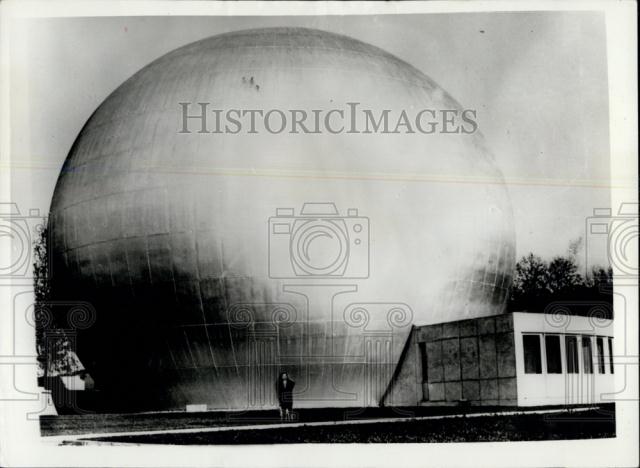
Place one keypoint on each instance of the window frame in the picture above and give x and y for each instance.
(558, 337)
(586, 350)
(524, 353)
(574, 368)
(602, 368)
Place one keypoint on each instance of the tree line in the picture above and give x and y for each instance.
(539, 285)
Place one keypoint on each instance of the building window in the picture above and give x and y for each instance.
(552, 349)
(611, 354)
(532, 358)
(587, 355)
(600, 351)
(571, 345)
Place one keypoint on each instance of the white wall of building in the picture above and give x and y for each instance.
(564, 388)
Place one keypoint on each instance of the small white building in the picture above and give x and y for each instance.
(563, 360)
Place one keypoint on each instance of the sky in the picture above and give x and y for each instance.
(537, 80)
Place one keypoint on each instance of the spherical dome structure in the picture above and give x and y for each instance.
(217, 259)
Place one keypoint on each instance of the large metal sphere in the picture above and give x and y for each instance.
(169, 234)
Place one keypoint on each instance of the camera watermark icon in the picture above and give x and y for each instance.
(318, 243)
(617, 234)
(19, 231)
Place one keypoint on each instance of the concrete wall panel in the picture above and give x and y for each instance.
(469, 361)
(506, 354)
(435, 364)
(451, 359)
(488, 362)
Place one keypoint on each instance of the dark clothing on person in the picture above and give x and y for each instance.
(284, 389)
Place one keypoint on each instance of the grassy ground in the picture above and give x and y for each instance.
(583, 425)
(104, 423)
(598, 423)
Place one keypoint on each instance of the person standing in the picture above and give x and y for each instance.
(284, 390)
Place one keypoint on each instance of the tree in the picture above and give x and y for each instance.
(538, 284)
(562, 276)
(53, 346)
(42, 292)
(600, 278)
(529, 282)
